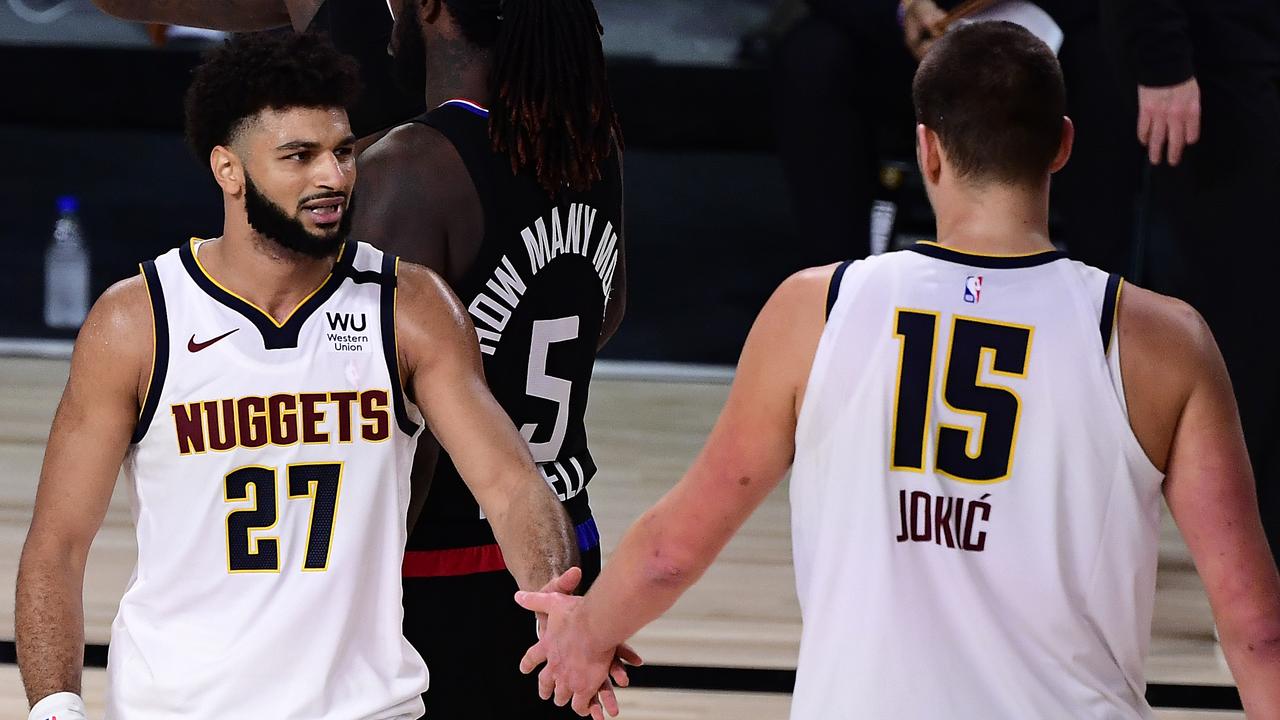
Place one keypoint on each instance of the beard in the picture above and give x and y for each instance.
(272, 222)
(409, 62)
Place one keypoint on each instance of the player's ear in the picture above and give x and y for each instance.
(228, 171)
(928, 153)
(430, 11)
(1066, 143)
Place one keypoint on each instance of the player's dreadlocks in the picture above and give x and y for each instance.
(549, 92)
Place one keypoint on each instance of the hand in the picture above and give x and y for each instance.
(1169, 114)
(922, 25)
(565, 585)
(576, 671)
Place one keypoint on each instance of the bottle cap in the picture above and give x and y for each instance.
(68, 204)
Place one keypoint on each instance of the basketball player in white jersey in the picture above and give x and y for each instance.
(264, 392)
(979, 432)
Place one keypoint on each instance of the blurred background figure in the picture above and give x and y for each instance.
(843, 114)
(360, 28)
(1207, 81)
(842, 101)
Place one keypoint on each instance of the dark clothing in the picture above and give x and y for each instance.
(842, 103)
(362, 29)
(1094, 198)
(473, 635)
(1213, 240)
(536, 294)
(843, 106)
(1211, 236)
(1167, 41)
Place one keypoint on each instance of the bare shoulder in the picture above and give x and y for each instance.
(804, 290)
(1166, 353)
(1158, 328)
(413, 162)
(426, 305)
(797, 310)
(784, 339)
(412, 147)
(123, 312)
(421, 286)
(117, 340)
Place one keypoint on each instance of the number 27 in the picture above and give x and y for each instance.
(320, 482)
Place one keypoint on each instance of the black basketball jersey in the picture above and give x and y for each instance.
(536, 294)
(362, 29)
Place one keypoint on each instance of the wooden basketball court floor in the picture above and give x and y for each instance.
(644, 433)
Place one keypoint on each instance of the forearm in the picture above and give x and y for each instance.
(1255, 666)
(673, 543)
(49, 621)
(228, 15)
(642, 580)
(533, 530)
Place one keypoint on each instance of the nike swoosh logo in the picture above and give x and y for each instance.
(195, 347)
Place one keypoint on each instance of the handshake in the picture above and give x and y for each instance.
(577, 667)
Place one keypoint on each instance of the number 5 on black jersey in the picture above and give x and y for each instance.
(976, 344)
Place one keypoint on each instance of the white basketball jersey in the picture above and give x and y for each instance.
(270, 481)
(975, 525)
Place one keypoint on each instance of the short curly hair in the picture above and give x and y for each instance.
(255, 71)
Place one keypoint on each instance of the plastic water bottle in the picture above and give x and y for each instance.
(66, 270)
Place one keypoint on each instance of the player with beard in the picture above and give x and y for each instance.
(456, 192)
(264, 392)
(511, 189)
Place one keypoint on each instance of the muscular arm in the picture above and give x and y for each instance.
(444, 376)
(669, 547)
(228, 15)
(91, 431)
(1184, 413)
(414, 195)
(749, 451)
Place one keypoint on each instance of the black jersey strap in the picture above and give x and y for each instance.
(1110, 299)
(469, 135)
(390, 264)
(833, 290)
(160, 353)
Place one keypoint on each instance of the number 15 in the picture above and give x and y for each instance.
(1002, 348)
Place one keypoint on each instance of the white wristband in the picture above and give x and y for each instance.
(59, 706)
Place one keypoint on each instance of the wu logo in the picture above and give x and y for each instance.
(346, 322)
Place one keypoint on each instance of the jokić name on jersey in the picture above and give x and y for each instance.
(282, 420)
(953, 522)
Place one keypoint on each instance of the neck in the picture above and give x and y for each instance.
(260, 271)
(456, 69)
(996, 220)
(302, 12)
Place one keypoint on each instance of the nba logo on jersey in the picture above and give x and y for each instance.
(973, 288)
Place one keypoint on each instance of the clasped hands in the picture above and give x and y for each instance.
(576, 669)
